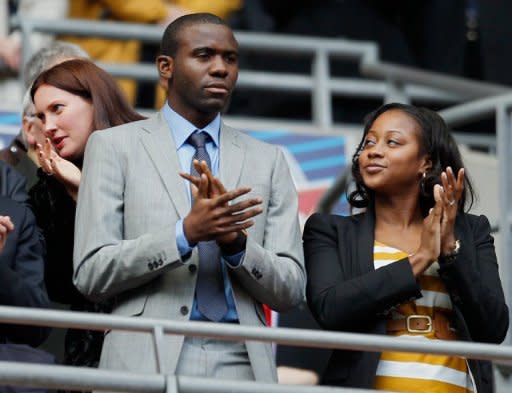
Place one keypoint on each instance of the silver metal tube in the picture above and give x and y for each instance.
(158, 344)
(483, 108)
(193, 385)
(221, 331)
(59, 377)
(471, 89)
(83, 378)
(322, 100)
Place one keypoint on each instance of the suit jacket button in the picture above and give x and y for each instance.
(150, 266)
(192, 268)
(184, 310)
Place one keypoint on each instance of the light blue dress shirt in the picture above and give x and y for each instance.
(181, 129)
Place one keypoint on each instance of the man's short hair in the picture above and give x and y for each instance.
(169, 43)
(28, 108)
(46, 57)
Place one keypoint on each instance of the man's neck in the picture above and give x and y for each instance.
(199, 119)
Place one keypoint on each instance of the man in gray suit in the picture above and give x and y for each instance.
(144, 241)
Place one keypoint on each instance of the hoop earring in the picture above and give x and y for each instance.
(422, 182)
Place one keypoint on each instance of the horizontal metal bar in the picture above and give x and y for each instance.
(81, 27)
(483, 108)
(75, 378)
(469, 88)
(294, 83)
(339, 48)
(288, 336)
(194, 385)
(364, 88)
(84, 378)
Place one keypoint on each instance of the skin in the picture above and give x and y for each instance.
(67, 121)
(32, 126)
(6, 226)
(201, 77)
(203, 73)
(392, 165)
(33, 131)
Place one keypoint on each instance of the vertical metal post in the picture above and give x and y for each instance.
(158, 341)
(321, 91)
(395, 92)
(171, 384)
(504, 150)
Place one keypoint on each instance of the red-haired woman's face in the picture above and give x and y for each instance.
(67, 120)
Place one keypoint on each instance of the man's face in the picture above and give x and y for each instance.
(204, 72)
(33, 128)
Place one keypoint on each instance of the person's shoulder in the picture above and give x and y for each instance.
(473, 221)
(13, 152)
(339, 222)
(123, 129)
(12, 208)
(12, 183)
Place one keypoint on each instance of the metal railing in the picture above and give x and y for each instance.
(81, 378)
(400, 83)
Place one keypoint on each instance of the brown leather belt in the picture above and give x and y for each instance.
(423, 324)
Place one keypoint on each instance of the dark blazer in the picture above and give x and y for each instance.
(346, 293)
(22, 272)
(12, 184)
(16, 155)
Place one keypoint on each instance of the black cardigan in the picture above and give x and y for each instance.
(346, 293)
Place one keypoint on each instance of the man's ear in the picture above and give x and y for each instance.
(165, 65)
(26, 129)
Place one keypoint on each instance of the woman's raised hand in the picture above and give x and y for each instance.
(64, 171)
(453, 188)
(430, 246)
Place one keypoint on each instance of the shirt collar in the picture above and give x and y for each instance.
(181, 128)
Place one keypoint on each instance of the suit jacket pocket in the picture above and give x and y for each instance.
(131, 306)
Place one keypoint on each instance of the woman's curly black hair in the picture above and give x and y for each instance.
(436, 141)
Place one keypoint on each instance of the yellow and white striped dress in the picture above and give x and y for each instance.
(416, 372)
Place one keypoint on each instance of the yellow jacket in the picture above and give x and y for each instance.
(116, 51)
(222, 8)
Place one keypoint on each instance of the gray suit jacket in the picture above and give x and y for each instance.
(131, 196)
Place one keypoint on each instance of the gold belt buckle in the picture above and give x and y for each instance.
(429, 328)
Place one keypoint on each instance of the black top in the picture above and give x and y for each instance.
(55, 213)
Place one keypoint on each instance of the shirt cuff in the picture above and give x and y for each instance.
(234, 260)
(184, 247)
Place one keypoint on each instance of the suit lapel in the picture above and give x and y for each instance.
(160, 146)
(231, 157)
(365, 242)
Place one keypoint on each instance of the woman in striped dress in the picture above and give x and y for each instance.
(414, 264)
